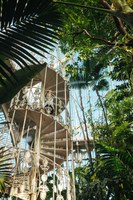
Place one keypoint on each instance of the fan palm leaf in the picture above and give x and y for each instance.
(89, 73)
(27, 26)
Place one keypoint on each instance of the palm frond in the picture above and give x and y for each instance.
(6, 166)
(27, 26)
(8, 91)
(113, 157)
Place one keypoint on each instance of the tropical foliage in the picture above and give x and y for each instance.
(6, 166)
(111, 176)
(98, 35)
(26, 27)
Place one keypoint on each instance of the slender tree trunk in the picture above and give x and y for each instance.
(85, 141)
(92, 125)
(85, 124)
(102, 106)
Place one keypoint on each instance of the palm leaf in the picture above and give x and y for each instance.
(26, 26)
(6, 166)
(113, 156)
(23, 78)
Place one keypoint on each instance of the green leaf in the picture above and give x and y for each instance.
(27, 26)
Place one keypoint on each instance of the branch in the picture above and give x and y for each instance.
(126, 14)
(105, 4)
(85, 7)
(75, 34)
(99, 39)
(117, 21)
(120, 26)
(129, 43)
(110, 43)
(108, 10)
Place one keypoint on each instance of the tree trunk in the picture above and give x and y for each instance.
(92, 125)
(102, 106)
(85, 123)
